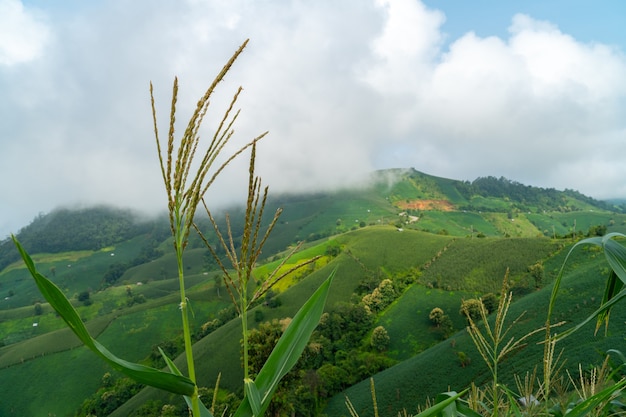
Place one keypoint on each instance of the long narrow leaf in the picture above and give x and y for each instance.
(253, 396)
(615, 254)
(146, 375)
(204, 412)
(613, 286)
(437, 409)
(602, 309)
(288, 349)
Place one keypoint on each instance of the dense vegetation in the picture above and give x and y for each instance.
(91, 228)
(393, 272)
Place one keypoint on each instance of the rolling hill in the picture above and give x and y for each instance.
(438, 240)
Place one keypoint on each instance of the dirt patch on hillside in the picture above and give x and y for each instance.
(442, 205)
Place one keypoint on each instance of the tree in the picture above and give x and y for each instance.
(537, 272)
(490, 301)
(447, 327)
(380, 339)
(38, 309)
(114, 273)
(471, 308)
(83, 297)
(332, 379)
(598, 230)
(436, 316)
(381, 297)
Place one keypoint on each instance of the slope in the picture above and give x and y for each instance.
(408, 385)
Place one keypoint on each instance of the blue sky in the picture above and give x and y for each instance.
(585, 20)
(530, 90)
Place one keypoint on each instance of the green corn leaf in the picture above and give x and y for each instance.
(514, 409)
(146, 375)
(288, 349)
(204, 412)
(601, 310)
(612, 289)
(615, 254)
(254, 398)
(454, 408)
(443, 401)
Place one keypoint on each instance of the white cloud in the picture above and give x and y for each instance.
(23, 33)
(342, 87)
(521, 107)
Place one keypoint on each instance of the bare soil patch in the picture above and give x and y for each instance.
(441, 205)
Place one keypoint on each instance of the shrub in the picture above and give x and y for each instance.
(471, 308)
(490, 301)
(436, 316)
(380, 339)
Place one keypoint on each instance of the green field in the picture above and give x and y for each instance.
(408, 384)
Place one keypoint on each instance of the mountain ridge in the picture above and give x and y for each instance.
(389, 192)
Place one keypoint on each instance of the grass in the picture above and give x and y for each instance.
(85, 272)
(142, 327)
(392, 251)
(478, 265)
(407, 322)
(52, 387)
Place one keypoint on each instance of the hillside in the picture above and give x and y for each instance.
(437, 240)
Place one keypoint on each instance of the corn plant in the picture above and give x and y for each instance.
(492, 343)
(187, 180)
(615, 254)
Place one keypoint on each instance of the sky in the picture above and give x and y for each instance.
(534, 91)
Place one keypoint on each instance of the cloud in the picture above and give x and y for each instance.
(23, 33)
(342, 87)
(531, 107)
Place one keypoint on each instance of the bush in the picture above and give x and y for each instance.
(471, 308)
(380, 339)
(436, 316)
(490, 301)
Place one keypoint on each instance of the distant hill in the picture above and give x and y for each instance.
(89, 228)
(393, 196)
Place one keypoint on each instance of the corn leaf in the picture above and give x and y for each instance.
(287, 350)
(254, 398)
(204, 412)
(614, 291)
(146, 375)
(443, 401)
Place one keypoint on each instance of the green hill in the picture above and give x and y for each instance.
(410, 383)
(438, 240)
